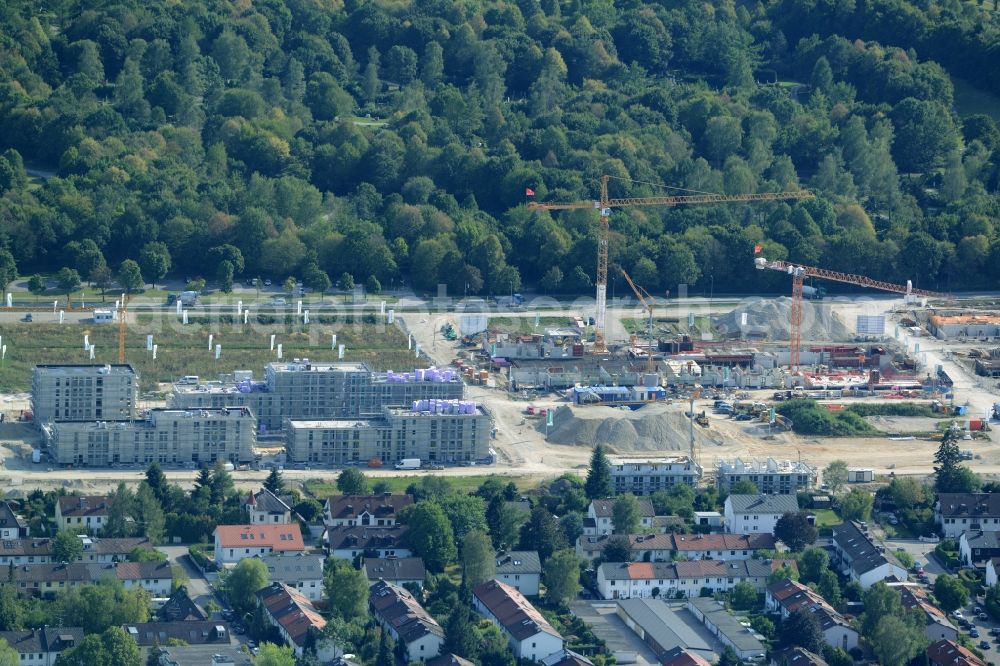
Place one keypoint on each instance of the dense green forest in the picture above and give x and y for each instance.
(395, 139)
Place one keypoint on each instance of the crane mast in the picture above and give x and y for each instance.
(799, 272)
(642, 294)
(606, 203)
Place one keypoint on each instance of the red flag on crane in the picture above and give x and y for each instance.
(528, 192)
(757, 249)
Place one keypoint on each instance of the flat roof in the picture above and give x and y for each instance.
(87, 368)
(333, 424)
(665, 626)
(305, 365)
(727, 624)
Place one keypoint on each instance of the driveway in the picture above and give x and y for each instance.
(197, 586)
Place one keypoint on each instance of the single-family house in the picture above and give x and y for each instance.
(974, 548)
(364, 510)
(412, 627)
(528, 633)
(746, 514)
(937, 626)
(860, 558)
(235, 542)
(396, 570)
(12, 526)
(521, 569)
(347, 543)
(203, 632)
(180, 607)
(967, 512)
(265, 508)
(41, 647)
(789, 596)
(297, 621)
(302, 573)
(950, 653)
(680, 656)
(600, 516)
(78, 513)
(797, 656)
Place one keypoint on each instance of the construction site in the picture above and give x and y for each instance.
(715, 378)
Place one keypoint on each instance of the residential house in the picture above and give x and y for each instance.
(681, 657)
(303, 573)
(41, 647)
(860, 558)
(235, 542)
(297, 620)
(937, 626)
(347, 543)
(79, 513)
(521, 569)
(967, 512)
(950, 653)
(976, 547)
(412, 627)
(179, 607)
(528, 633)
(600, 516)
(396, 570)
(46, 580)
(667, 547)
(12, 526)
(364, 510)
(265, 508)
(797, 656)
(992, 571)
(757, 513)
(659, 579)
(788, 596)
(39, 551)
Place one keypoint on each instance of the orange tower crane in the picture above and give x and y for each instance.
(605, 204)
(800, 272)
(642, 295)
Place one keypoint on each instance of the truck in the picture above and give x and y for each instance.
(813, 293)
(512, 301)
(188, 297)
(408, 463)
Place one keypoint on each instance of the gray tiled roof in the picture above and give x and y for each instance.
(519, 562)
(762, 504)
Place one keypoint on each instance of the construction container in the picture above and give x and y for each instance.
(975, 424)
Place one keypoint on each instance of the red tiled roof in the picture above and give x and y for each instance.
(295, 613)
(280, 538)
(948, 653)
(515, 613)
(696, 542)
(84, 505)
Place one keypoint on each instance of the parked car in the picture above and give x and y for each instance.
(974, 632)
(984, 645)
(983, 616)
(27, 319)
(955, 613)
(744, 417)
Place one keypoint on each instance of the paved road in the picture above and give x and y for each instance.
(609, 627)
(197, 586)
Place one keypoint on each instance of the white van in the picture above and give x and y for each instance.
(189, 379)
(104, 317)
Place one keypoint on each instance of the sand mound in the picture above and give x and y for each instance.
(651, 428)
(771, 319)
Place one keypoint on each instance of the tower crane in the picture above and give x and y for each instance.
(122, 312)
(642, 295)
(605, 204)
(800, 272)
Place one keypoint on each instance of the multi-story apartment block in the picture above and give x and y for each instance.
(443, 431)
(301, 389)
(83, 392)
(772, 477)
(648, 475)
(164, 435)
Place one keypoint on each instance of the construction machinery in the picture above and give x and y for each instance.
(799, 272)
(605, 204)
(642, 295)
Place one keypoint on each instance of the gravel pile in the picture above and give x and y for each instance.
(651, 428)
(770, 318)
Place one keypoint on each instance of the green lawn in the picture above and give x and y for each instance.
(183, 350)
(826, 518)
(970, 100)
(322, 488)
